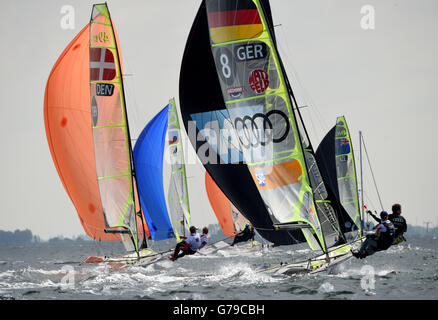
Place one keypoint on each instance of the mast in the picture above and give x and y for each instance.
(133, 181)
(361, 180)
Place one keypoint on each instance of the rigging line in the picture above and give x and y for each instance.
(305, 94)
(369, 200)
(372, 173)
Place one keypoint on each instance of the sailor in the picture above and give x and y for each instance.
(246, 234)
(399, 223)
(381, 240)
(204, 237)
(188, 246)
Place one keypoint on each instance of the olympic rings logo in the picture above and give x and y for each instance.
(252, 133)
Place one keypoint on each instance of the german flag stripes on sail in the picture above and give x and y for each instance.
(233, 20)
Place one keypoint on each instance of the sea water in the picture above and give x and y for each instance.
(56, 271)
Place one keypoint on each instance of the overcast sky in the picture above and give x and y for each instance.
(384, 81)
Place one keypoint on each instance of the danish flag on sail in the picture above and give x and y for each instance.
(102, 65)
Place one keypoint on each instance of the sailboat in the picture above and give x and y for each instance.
(243, 120)
(205, 116)
(88, 135)
(160, 142)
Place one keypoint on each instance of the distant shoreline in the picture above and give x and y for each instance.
(24, 237)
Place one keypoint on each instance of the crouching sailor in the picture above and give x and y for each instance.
(381, 240)
(246, 234)
(188, 246)
(204, 238)
(398, 221)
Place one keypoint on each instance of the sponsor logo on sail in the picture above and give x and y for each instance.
(343, 158)
(278, 175)
(236, 92)
(341, 133)
(101, 37)
(261, 178)
(258, 81)
(258, 129)
(94, 111)
(104, 89)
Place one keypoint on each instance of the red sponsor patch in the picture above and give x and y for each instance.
(258, 81)
(235, 91)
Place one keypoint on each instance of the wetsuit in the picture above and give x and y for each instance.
(382, 240)
(247, 234)
(189, 246)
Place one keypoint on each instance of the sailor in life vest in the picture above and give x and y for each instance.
(398, 221)
(246, 234)
(188, 246)
(381, 240)
(204, 237)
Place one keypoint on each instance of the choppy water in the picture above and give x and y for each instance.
(49, 271)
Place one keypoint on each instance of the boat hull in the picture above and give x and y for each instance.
(324, 262)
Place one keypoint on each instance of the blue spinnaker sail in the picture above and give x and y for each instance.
(148, 159)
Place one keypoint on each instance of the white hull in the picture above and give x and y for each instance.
(145, 257)
(320, 263)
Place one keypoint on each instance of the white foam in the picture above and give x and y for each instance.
(326, 287)
(239, 273)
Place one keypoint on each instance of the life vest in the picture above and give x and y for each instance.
(204, 240)
(194, 241)
(399, 223)
(386, 237)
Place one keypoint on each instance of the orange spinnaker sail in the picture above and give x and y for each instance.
(67, 117)
(230, 219)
